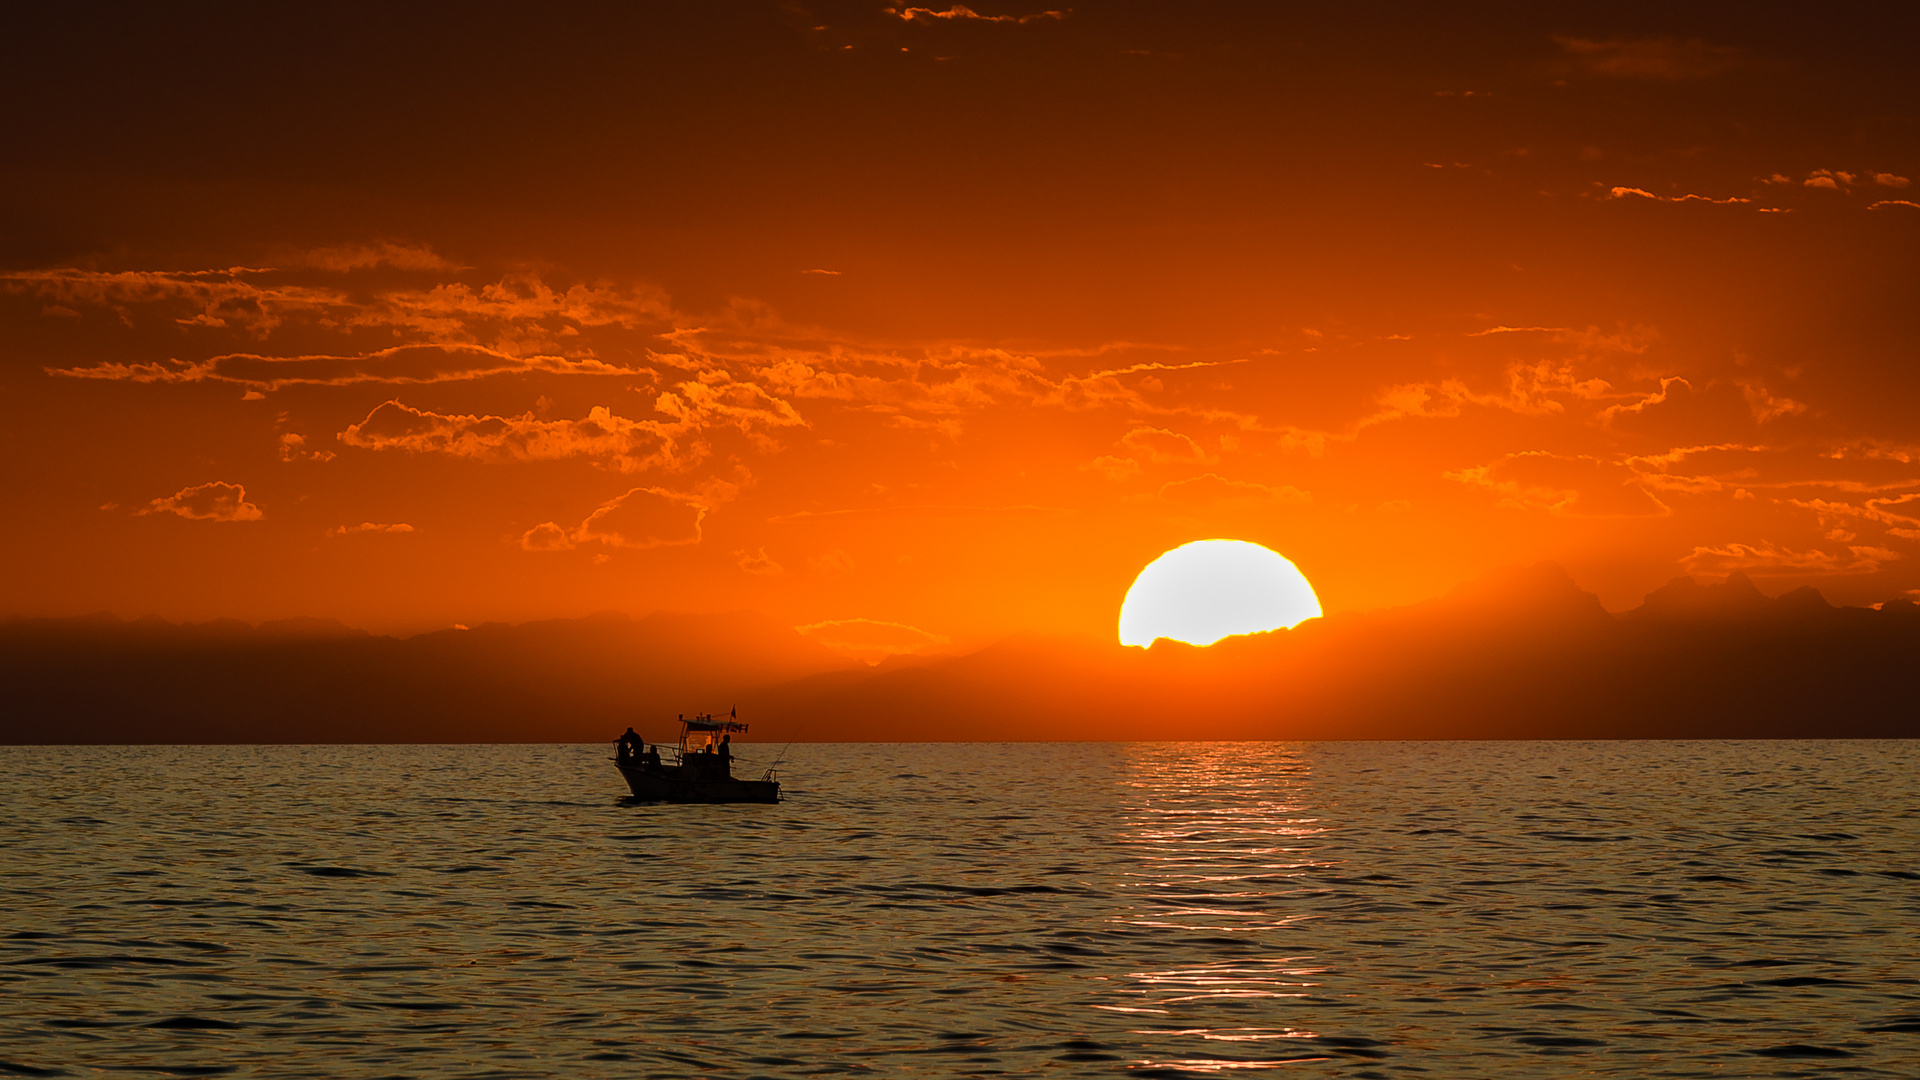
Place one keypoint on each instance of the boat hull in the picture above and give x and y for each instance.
(678, 784)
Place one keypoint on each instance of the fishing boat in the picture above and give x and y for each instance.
(699, 769)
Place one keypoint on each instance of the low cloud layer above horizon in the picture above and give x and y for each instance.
(1636, 298)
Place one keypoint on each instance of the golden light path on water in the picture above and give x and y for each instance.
(1217, 833)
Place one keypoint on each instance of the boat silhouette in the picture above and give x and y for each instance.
(699, 769)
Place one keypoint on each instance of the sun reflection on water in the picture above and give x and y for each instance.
(1219, 833)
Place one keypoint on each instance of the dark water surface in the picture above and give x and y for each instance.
(1325, 909)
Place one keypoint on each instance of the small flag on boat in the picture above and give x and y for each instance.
(734, 712)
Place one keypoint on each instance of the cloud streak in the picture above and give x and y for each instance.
(1642, 193)
(215, 500)
(1767, 558)
(638, 519)
(228, 298)
(399, 365)
(450, 330)
(1565, 485)
(961, 13)
(631, 445)
(872, 640)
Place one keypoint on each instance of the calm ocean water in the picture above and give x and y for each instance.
(1325, 909)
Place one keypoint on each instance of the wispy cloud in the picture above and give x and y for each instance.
(646, 517)
(630, 445)
(1690, 469)
(293, 447)
(370, 527)
(1878, 510)
(1585, 340)
(1841, 180)
(216, 500)
(399, 365)
(1538, 389)
(1659, 483)
(640, 518)
(1144, 446)
(1766, 405)
(230, 298)
(1767, 558)
(716, 399)
(872, 640)
(1642, 193)
(1645, 401)
(546, 536)
(1518, 330)
(962, 13)
(1566, 485)
(1158, 446)
(516, 308)
(758, 562)
(1533, 389)
(934, 385)
(517, 323)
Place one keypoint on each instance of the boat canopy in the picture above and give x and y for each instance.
(708, 723)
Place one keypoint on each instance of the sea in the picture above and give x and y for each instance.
(1335, 909)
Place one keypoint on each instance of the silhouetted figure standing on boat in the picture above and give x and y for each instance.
(628, 746)
(726, 748)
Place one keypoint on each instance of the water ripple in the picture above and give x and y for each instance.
(1161, 910)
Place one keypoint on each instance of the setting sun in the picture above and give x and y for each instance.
(1209, 589)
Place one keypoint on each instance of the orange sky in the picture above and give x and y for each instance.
(947, 319)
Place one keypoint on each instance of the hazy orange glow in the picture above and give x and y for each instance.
(1209, 589)
(916, 333)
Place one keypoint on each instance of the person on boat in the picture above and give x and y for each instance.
(628, 746)
(653, 757)
(726, 748)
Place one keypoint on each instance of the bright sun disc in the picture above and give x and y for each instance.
(1201, 592)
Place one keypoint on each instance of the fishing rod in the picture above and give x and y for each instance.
(782, 756)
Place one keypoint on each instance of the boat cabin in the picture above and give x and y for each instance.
(702, 734)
